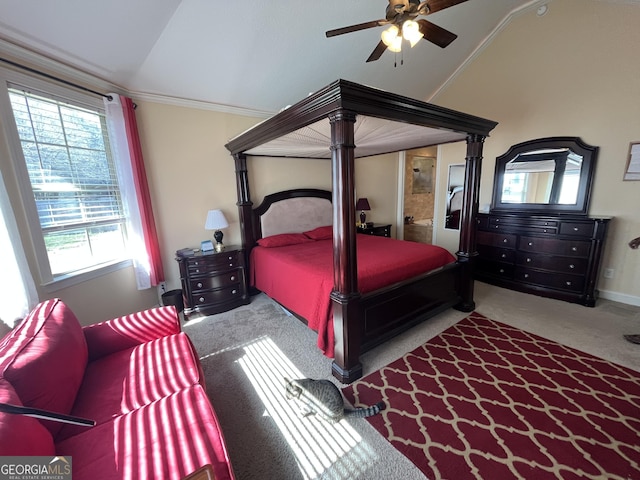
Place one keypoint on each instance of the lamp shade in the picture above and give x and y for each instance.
(215, 220)
(363, 204)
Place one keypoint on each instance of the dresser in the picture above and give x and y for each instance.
(555, 256)
(213, 282)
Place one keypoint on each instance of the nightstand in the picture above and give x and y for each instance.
(376, 229)
(213, 282)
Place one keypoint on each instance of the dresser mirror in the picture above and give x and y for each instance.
(546, 175)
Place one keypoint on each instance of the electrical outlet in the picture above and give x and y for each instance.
(609, 273)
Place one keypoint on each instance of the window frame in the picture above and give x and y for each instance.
(46, 279)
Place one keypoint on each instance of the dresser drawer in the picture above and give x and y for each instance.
(496, 239)
(213, 263)
(499, 224)
(217, 281)
(497, 254)
(577, 229)
(573, 265)
(574, 248)
(574, 283)
(216, 296)
(495, 269)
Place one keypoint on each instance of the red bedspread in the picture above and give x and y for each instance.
(300, 277)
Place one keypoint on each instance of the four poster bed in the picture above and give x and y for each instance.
(368, 301)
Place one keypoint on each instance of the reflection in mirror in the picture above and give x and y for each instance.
(543, 176)
(455, 192)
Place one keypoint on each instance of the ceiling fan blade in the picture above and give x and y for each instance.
(355, 28)
(377, 52)
(436, 34)
(437, 5)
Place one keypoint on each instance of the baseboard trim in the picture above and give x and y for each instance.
(620, 297)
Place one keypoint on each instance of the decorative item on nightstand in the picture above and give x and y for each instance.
(216, 221)
(363, 204)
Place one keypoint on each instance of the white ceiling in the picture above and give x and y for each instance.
(252, 54)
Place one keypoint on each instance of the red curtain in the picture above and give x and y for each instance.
(142, 192)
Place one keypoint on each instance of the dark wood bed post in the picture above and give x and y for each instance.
(468, 252)
(244, 204)
(345, 297)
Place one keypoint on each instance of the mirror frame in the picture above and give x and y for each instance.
(589, 155)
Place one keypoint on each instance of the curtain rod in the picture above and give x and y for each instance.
(51, 77)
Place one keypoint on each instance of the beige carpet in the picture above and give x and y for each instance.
(246, 353)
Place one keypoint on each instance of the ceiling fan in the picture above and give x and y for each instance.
(400, 16)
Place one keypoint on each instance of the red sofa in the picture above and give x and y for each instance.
(138, 377)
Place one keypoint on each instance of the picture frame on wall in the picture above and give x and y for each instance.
(632, 171)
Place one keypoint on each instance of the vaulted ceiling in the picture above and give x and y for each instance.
(252, 54)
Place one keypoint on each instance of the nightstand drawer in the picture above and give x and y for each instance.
(213, 263)
(218, 281)
(227, 294)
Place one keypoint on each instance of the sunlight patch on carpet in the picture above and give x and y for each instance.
(317, 445)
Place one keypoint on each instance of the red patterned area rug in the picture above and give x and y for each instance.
(486, 400)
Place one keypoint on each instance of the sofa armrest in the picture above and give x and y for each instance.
(130, 330)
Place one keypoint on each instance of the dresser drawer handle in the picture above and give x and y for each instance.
(528, 260)
(233, 278)
(197, 270)
(231, 264)
(504, 255)
(575, 229)
(526, 275)
(234, 291)
(544, 231)
(196, 263)
(572, 266)
(230, 257)
(201, 299)
(502, 270)
(505, 240)
(530, 244)
(199, 285)
(568, 284)
(574, 249)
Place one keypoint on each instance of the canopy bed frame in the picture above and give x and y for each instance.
(341, 122)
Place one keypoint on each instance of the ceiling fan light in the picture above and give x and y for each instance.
(411, 32)
(390, 35)
(396, 45)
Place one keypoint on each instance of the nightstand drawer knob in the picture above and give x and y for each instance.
(201, 299)
(231, 264)
(234, 291)
(197, 270)
(233, 278)
(199, 284)
(230, 257)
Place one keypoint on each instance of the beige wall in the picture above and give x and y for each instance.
(572, 72)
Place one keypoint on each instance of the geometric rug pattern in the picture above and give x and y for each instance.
(490, 401)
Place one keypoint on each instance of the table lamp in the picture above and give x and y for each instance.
(363, 204)
(216, 221)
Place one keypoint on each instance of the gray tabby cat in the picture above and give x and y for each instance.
(322, 397)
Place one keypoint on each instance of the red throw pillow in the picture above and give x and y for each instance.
(320, 233)
(44, 359)
(283, 239)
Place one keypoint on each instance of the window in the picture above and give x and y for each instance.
(73, 180)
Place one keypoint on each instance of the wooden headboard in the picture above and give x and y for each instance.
(293, 211)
